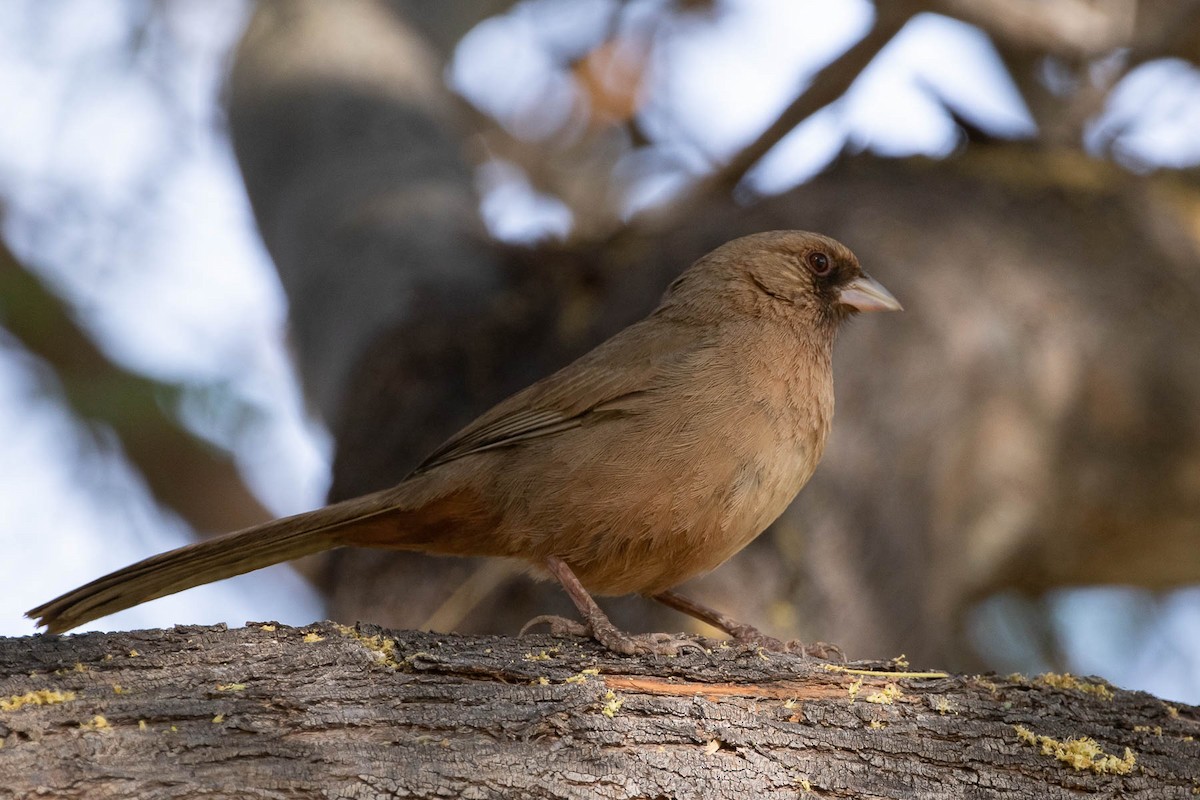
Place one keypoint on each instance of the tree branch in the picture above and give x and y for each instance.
(327, 710)
(827, 86)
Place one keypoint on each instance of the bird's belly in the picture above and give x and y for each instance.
(691, 515)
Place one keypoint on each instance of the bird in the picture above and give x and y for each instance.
(649, 460)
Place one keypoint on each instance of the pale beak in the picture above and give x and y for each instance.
(867, 294)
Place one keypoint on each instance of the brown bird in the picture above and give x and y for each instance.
(649, 460)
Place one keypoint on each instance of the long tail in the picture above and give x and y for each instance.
(222, 557)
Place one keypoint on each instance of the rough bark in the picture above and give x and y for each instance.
(331, 711)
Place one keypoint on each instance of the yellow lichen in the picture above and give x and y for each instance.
(853, 690)
(231, 687)
(883, 673)
(545, 655)
(267, 628)
(218, 719)
(38, 697)
(1080, 754)
(805, 785)
(134, 654)
(583, 675)
(142, 725)
(96, 723)
(886, 696)
(312, 637)
(901, 662)
(118, 688)
(1068, 681)
(790, 703)
(612, 704)
(944, 705)
(876, 724)
(381, 645)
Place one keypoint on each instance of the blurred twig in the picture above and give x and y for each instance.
(482, 581)
(827, 86)
(194, 479)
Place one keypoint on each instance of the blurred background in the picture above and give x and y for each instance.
(258, 254)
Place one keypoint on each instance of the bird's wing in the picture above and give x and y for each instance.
(631, 363)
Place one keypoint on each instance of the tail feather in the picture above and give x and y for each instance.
(214, 559)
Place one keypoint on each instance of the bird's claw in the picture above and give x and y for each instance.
(752, 638)
(628, 644)
(819, 650)
(559, 626)
(657, 644)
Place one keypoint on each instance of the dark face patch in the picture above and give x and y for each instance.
(839, 275)
(829, 269)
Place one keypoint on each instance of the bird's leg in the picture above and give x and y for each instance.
(744, 633)
(601, 628)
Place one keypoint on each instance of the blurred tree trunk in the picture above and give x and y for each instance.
(269, 711)
(1028, 423)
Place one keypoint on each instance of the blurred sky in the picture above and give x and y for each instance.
(119, 187)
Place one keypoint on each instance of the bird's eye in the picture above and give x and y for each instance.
(820, 264)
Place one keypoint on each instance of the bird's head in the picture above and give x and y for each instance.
(800, 275)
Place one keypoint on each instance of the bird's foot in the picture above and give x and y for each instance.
(559, 626)
(746, 636)
(819, 650)
(751, 637)
(607, 634)
(600, 628)
(657, 644)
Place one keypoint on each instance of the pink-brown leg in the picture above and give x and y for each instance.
(598, 624)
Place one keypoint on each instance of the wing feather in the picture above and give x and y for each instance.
(630, 363)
